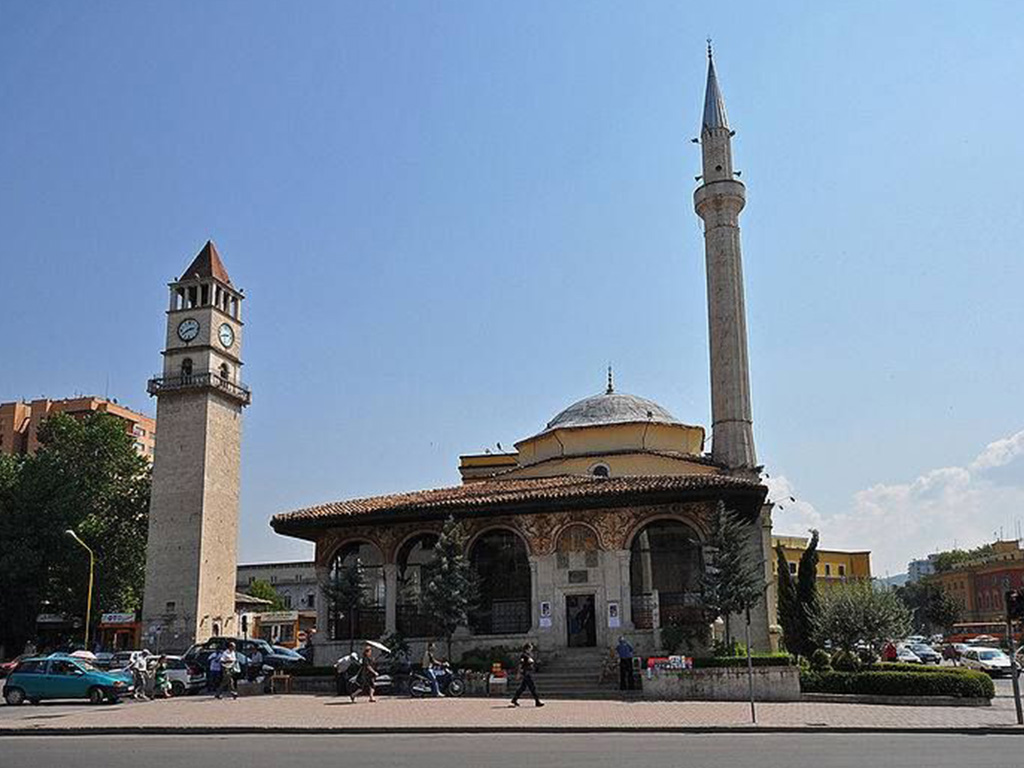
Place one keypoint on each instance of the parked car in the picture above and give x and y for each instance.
(906, 656)
(293, 657)
(62, 677)
(990, 660)
(104, 659)
(926, 653)
(123, 659)
(184, 676)
(246, 646)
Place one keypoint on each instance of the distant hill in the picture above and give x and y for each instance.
(893, 581)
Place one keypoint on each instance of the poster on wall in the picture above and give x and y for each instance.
(613, 615)
(545, 614)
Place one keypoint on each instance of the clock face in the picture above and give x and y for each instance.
(226, 335)
(188, 329)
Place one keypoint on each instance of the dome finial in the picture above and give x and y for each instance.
(709, 48)
(611, 384)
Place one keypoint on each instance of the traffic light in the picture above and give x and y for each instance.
(245, 624)
(1015, 604)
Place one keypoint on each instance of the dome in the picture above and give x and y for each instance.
(610, 408)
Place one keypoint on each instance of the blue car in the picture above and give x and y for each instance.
(63, 677)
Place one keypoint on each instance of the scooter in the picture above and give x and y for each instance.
(448, 682)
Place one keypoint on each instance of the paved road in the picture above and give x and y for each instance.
(565, 751)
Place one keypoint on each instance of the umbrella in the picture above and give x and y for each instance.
(87, 655)
(379, 646)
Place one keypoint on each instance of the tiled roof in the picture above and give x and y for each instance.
(503, 493)
(207, 263)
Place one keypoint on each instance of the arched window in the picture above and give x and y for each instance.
(577, 538)
(225, 372)
(500, 561)
(411, 619)
(665, 568)
(600, 470)
(366, 622)
(186, 369)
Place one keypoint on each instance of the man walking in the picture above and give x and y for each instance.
(625, 652)
(138, 667)
(526, 667)
(228, 663)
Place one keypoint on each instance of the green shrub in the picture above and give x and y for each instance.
(845, 661)
(886, 666)
(481, 659)
(764, 660)
(687, 637)
(960, 683)
(867, 657)
(821, 661)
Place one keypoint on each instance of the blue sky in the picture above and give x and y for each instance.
(450, 217)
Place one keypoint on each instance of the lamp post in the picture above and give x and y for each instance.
(92, 567)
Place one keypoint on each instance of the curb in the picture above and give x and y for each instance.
(1010, 730)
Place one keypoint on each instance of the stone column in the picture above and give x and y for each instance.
(625, 589)
(534, 594)
(390, 596)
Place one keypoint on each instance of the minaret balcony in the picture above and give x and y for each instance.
(160, 385)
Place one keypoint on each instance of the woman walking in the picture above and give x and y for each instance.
(367, 675)
(228, 664)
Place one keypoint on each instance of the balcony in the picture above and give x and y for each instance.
(160, 385)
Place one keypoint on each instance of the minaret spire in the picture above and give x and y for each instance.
(718, 201)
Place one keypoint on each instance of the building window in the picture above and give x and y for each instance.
(169, 607)
(286, 600)
(828, 569)
(311, 600)
(600, 470)
(367, 621)
(225, 372)
(792, 568)
(186, 368)
(842, 570)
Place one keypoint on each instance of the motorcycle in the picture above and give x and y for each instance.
(448, 682)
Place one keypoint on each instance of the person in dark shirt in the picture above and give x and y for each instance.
(625, 652)
(526, 667)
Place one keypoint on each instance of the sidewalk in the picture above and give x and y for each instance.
(298, 713)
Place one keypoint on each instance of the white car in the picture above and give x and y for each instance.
(990, 660)
(906, 656)
(123, 659)
(185, 677)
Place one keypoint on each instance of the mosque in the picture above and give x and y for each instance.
(594, 527)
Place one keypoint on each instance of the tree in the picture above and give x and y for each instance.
(265, 591)
(946, 561)
(449, 584)
(85, 477)
(798, 601)
(932, 608)
(854, 612)
(345, 592)
(733, 581)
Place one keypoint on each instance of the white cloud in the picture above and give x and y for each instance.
(902, 521)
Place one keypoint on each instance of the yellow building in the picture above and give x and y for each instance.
(833, 565)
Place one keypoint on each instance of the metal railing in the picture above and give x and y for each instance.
(208, 380)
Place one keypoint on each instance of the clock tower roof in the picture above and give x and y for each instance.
(207, 264)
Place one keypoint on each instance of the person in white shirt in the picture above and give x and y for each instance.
(140, 676)
(229, 665)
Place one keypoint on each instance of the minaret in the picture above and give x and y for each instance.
(718, 201)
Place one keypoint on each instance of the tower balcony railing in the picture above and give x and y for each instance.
(159, 385)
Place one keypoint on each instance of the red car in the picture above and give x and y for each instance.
(7, 667)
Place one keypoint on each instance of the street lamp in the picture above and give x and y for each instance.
(92, 566)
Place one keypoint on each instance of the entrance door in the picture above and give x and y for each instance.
(580, 621)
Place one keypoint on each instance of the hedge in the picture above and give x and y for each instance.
(887, 666)
(959, 683)
(765, 660)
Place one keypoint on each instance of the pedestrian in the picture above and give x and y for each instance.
(228, 665)
(255, 663)
(889, 653)
(161, 685)
(213, 680)
(342, 669)
(525, 669)
(140, 675)
(367, 675)
(625, 652)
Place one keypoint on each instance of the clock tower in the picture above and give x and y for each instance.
(193, 514)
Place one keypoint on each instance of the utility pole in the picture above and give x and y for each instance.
(92, 568)
(1014, 610)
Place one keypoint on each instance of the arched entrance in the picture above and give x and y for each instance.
(500, 561)
(411, 620)
(665, 568)
(366, 622)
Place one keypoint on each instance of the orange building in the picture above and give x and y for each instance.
(979, 584)
(20, 422)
